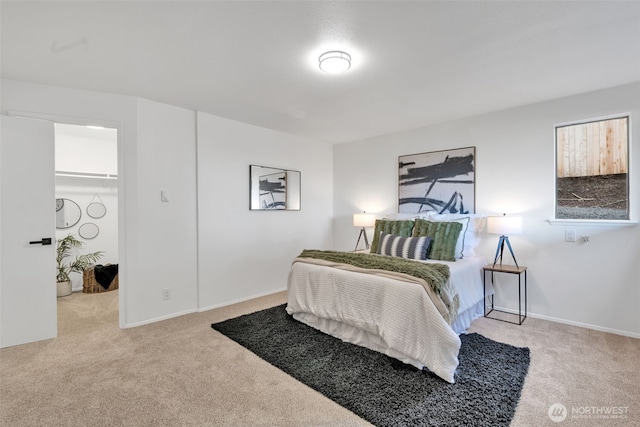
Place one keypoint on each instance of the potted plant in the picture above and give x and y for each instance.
(81, 262)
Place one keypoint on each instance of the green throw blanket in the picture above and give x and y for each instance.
(436, 275)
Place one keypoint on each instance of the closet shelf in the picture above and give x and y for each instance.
(86, 175)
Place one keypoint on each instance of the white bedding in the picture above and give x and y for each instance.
(391, 316)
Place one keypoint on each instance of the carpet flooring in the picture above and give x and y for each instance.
(380, 389)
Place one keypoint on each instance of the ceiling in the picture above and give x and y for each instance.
(413, 63)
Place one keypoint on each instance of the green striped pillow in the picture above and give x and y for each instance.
(399, 228)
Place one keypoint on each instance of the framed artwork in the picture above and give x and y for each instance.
(273, 188)
(438, 181)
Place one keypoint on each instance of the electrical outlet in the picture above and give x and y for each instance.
(166, 294)
(569, 235)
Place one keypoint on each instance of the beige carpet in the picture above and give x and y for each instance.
(180, 372)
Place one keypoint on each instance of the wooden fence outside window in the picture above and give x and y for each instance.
(595, 148)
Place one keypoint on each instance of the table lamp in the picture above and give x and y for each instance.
(504, 226)
(363, 220)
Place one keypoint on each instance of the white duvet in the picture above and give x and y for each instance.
(391, 316)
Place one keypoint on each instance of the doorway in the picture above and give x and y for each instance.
(86, 191)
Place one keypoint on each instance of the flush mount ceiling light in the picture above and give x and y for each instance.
(335, 61)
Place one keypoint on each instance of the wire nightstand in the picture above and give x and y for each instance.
(510, 269)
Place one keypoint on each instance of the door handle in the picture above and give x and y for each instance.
(45, 241)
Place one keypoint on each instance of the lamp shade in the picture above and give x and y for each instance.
(504, 225)
(364, 220)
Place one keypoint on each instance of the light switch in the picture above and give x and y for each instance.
(164, 196)
(569, 235)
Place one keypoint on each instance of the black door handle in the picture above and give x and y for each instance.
(45, 241)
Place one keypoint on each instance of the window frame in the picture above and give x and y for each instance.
(631, 203)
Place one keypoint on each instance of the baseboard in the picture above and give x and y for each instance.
(572, 323)
(264, 294)
(158, 319)
(236, 301)
(198, 310)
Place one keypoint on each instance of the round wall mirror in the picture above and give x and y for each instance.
(68, 213)
(88, 230)
(96, 210)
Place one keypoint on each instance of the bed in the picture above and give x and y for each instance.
(389, 311)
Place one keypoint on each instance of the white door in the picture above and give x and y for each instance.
(28, 310)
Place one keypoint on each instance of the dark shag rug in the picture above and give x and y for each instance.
(383, 390)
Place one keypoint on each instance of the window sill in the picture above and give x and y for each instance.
(595, 222)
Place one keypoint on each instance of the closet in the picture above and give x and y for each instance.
(86, 190)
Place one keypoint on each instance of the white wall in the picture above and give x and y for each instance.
(165, 234)
(592, 284)
(82, 149)
(245, 253)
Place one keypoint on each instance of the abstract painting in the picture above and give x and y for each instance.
(438, 181)
(273, 191)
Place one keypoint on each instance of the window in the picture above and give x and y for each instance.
(592, 170)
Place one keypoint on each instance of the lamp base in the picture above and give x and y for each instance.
(500, 250)
(366, 240)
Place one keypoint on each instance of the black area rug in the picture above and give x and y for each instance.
(381, 389)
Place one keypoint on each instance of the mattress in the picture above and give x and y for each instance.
(391, 316)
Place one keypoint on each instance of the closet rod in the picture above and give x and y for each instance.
(86, 175)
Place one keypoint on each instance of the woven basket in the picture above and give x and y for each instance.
(91, 286)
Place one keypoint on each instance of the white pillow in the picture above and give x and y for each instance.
(406, 216)
(472, 225)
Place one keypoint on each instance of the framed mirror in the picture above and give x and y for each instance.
(273, 188)
(68, 213)
(88, 230)
(96, 210)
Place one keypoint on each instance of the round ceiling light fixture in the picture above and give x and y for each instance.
(335, 61)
